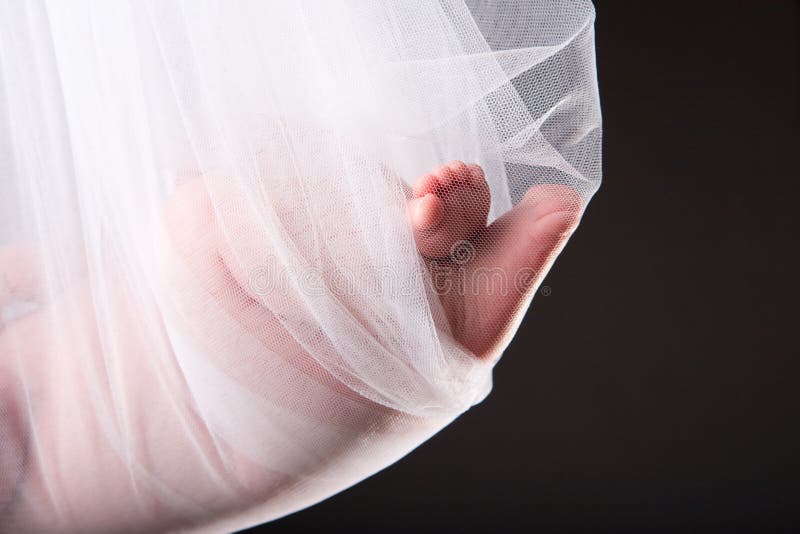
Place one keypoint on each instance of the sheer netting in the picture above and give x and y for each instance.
(253, 252)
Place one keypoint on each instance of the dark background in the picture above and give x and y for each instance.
(655, 388)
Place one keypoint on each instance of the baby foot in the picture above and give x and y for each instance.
(449, 205)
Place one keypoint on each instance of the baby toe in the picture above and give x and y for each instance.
(458, 172)
(476, 174)
(426, 184)
(426, 212)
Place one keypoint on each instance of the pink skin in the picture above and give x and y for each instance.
(447, 206)
(451, 205)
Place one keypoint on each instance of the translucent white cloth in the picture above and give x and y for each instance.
(215, 308)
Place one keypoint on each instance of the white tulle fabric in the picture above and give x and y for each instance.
(214, 312)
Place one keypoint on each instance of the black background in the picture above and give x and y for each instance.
(655, 387)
